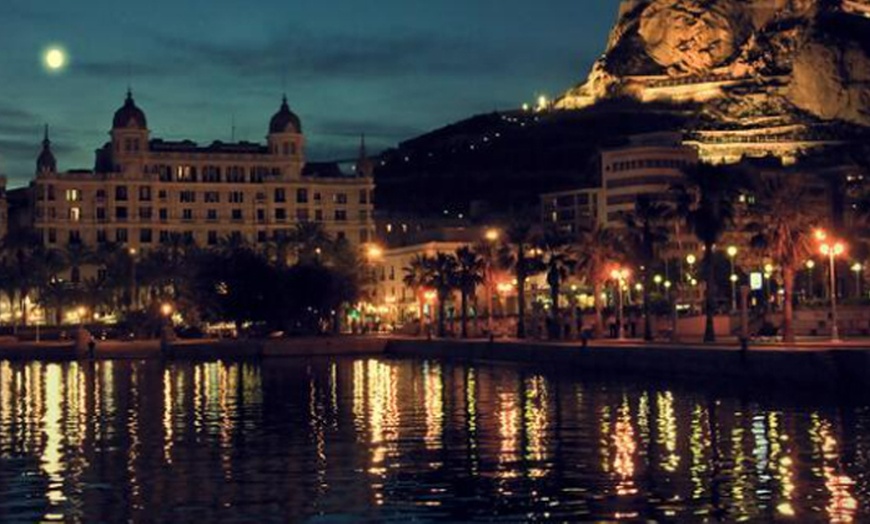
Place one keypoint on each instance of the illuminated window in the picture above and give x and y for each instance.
(72, 195)
(185, 174)
(75, 214)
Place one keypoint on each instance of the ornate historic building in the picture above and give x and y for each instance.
(144, 189)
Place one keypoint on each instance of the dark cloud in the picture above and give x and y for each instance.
(303, 56)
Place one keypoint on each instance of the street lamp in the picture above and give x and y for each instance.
(811, 264)
(732, 254)
(658, 281)
(491, 236)
(832, 250)
(134, 291)
(620, 276)
(374, 252)
(857, 267)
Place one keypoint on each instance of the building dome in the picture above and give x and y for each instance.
(46, 162)
(129, 116)
(285, 121)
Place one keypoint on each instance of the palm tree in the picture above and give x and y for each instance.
(416, 277)
(599, 250)
(470, 268)
(488, 251)
(310, 242)
(442, 278)
(705, 200)
(559, 262)
(646, 231)
(76, 257)
(21, 268)
(783, 221)
(521, 257)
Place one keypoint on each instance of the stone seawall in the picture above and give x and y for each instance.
(815, 368)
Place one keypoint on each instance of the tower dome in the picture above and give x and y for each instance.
(46, 162)
(129, 116)
(285, 120)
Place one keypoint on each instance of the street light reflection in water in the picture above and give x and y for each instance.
(410, 439)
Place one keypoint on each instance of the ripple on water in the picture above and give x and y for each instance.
(357, 440)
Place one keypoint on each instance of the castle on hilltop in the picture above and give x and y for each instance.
(766, 76)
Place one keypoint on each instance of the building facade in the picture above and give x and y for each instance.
(143, 190)
(649, 165)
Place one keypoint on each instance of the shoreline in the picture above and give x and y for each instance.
(814, 365)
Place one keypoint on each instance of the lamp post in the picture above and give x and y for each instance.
(811, 264)
(732, 254)
(620, 276)
(134, 295)
(858, 268)
(491, 236)
(691, 259)
(832, 249)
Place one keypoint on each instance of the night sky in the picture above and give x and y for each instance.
(390, 68)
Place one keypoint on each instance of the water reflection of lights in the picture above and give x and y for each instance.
(781, 463)
(625, 447)
(841, 506)
(433, 391)
(383, 410)
(604, 440)
(471, 416)
(167, 416)
(699, 443)
(667, 429)
(508, 432)
(51, 455)
(537, 423)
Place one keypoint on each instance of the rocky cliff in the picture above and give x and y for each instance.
(751, 64)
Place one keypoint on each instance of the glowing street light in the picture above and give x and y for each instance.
(620, 276)
(858, 267)
(491, 235)
(166, 309)
(732, 254)
(832, 249)
(374, 252)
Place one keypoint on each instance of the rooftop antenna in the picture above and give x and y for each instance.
(129, 77)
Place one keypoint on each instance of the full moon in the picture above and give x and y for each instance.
(55, 58)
